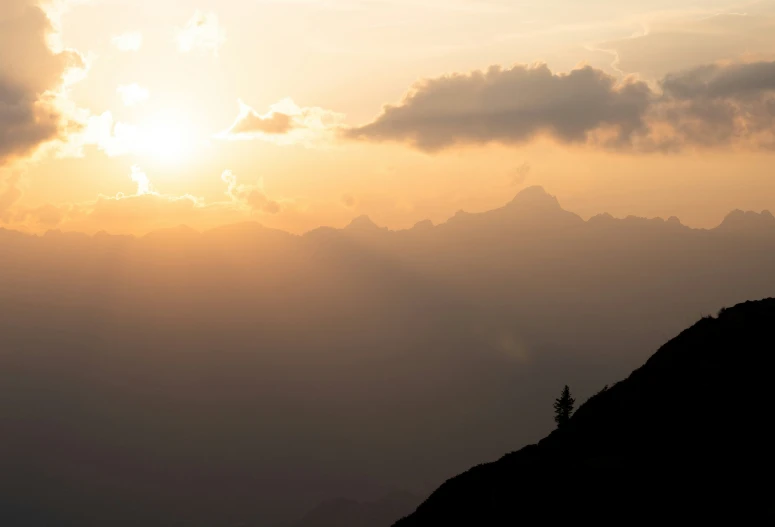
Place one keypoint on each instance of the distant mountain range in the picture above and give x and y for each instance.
(245, 375)
(531, 209)
(682, 439)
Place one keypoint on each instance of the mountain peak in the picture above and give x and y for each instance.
(534, 197)
(363, 223)
(747, 221)
(423, 225)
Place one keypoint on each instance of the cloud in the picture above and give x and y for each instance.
(133, 94)
(201, 33)
(46, 216)
(112, 137)
(31, 80)
(512, 106)
(149, 209)
(519, 174)
(718, 105)
(682, 41)
(132, 41)
(140, 213)
(348, 201)
(715, 105)
(285, 123)
(144, 210)
(250, 122)
(10, 193)
(143, 183)
(11, 212)
(716, 81)
(252, 197)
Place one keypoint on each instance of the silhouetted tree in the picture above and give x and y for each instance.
(563, 407)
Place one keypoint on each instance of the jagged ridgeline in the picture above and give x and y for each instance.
(688, 436)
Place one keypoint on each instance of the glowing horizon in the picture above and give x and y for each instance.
(403, 121)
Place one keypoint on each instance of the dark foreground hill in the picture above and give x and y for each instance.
(687, 436)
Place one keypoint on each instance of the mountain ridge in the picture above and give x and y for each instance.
(646, 447)
(529, 203)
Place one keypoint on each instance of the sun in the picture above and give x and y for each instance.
(166, 139)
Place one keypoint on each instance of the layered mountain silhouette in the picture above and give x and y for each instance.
(244, 375)
(685, 437)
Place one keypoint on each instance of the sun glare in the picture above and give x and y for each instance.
(166, 140)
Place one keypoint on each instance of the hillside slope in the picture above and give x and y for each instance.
(687, 435)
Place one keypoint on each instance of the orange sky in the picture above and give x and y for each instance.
(132, 115)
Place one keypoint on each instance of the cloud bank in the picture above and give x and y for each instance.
(144, 210)
(709, 106)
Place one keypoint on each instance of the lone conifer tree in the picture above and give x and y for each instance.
(563, 407)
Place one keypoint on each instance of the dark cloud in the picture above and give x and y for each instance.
(716, 81)
(30, 72)
(274, 123)
(713, 105)
(512, 106)
(25, 122)
(716, 105)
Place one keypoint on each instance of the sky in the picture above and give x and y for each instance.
(134, 115)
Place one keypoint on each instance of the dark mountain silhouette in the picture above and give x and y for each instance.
(686, 437)
(244, 375)
(350, 513)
